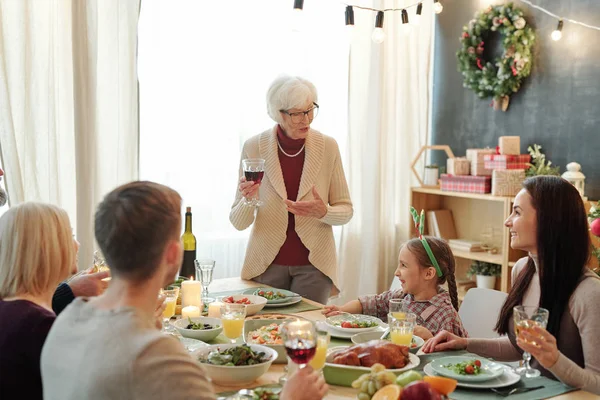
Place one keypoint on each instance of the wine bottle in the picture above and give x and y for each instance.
(189, 247)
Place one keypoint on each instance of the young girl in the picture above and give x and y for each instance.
(436, 308)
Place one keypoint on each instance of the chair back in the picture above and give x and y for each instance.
(479, 312)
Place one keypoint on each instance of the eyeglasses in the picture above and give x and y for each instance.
(298, 117)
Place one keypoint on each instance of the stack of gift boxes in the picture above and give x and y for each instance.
(500, 172)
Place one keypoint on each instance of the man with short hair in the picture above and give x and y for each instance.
(108, 347)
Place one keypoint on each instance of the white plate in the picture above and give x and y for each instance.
(355, 318)
(344, 335)
(489, 369)
(191, 345)
(413, 361)
(506, 379)
(292, 300)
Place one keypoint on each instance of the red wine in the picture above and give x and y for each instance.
(255, 177)
(300, 351)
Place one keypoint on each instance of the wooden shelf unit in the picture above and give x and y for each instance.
(472, 212)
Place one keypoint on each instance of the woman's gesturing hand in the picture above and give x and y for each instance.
(310, 208)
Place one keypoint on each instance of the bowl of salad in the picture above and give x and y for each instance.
(253, 303)
(354, 323)
(234, 364)
(266, 332)
(200, 328)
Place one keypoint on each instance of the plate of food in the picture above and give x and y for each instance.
(467, 368)
(508, 378)
(354, 323)
(266, 332)
(364, 337)
(253, 303)
(270, 392)
(233, 364)
(322, 325)
(274, 295)
(345, 364)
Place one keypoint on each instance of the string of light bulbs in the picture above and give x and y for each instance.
(378, 35)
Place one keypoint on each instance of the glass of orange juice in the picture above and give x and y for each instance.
(399, 308)
(318, 361)
(170, 303)
(401, 330)
(232, 318)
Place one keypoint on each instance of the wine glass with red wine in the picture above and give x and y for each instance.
(254, 170)
(300, 341)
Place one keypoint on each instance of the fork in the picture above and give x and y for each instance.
(506, 393)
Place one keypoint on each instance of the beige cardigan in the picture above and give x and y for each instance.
(322, 169)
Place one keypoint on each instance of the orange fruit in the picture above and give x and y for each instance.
(444, 386)
(388, 392)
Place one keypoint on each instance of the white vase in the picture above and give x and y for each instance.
(431, 176)
(486, 282)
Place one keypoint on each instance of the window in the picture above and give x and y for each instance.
(204, 70)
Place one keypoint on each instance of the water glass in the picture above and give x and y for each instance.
(169, 311)
(525, 319)
(204, 274)
(401, 329)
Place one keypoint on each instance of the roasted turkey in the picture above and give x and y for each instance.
(376, 351)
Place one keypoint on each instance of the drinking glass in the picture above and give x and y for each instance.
(169, 311)
(525, 318)
(254, 170)
(318, 361)
(401, 329)
(204, 274)
(232, 319)
(300, 341)
(399, 308)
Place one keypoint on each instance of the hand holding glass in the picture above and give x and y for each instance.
(232, 318)
(525, 318)
(254, 170)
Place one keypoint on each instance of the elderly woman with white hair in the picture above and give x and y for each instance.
(304, 193)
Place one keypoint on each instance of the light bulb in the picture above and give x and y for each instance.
(405, 28)
(438, 7)
(297, 20)
(378, 35)
(556, 35)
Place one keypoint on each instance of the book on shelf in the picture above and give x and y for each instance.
(465, 245)
(440, 223)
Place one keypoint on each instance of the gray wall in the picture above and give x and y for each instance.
(558, 105)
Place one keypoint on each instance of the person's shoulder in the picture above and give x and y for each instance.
(588, 289)
(328, 140)
(518, 267)
(26, 314)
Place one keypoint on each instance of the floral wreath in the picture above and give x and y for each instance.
(503, 76)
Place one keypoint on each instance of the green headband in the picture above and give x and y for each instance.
(419, 226)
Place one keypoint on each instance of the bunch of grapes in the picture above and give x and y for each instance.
(368, 384)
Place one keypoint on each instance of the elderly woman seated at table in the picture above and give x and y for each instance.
(37, 252)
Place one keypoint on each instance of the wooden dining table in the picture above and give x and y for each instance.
(335, 392)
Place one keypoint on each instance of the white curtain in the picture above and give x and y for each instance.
(68, 103)
(389, 88)
(204, 69)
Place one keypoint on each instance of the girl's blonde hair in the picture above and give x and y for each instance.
(36, 249)
(444, 257)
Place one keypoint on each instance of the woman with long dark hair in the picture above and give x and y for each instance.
(549, 222)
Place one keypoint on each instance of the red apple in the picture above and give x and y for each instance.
(595, 227)
(420, 390)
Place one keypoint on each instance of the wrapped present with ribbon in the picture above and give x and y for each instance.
(509, 145)
(466, 183)
(507, 182)
(504, 161)
(476, 157)
(458, 166)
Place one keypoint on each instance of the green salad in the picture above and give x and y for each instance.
(270, 295)
(198, 326)
(235, 357)
(355, 324)
(265, 394)
(471, 367)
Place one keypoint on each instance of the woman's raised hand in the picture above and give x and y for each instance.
(315, 208)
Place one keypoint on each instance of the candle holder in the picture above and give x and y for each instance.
(204, 274)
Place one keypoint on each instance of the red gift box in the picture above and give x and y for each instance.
(466, 183)
(503, 161)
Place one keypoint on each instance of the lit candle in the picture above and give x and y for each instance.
(190, 293)
(190, 312)
(214, 309)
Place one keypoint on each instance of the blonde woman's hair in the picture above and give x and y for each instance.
(36, 249)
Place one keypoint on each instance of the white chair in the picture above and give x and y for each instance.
(479, 312)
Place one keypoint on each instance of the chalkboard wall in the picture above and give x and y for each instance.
(558, 106)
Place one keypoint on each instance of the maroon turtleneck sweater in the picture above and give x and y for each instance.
(293, 251)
